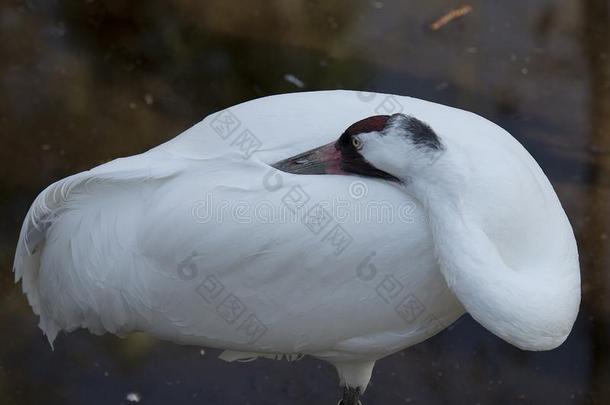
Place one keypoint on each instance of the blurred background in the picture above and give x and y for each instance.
(83, 82)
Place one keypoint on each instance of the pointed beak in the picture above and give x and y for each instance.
(323, 160)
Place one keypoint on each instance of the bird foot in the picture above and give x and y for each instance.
(350, 396)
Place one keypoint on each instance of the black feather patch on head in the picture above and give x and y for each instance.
(418, 131)
(352, 161)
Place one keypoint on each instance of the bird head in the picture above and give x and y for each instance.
(391, 147)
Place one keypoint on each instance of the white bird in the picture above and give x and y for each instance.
(218, 238)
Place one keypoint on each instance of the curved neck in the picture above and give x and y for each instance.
(530, 308)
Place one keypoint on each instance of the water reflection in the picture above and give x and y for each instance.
(85, 82)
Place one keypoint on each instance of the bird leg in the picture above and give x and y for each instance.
(350, 396)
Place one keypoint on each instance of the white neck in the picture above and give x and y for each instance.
(531, 308)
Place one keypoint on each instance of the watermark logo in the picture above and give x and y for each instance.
(226, 124)
(226, 304)
(394, 293)
(295, 199)
(317, 219)
(358, 189)
(338, 238)
(247, 143)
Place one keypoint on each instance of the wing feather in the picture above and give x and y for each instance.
(65, 285)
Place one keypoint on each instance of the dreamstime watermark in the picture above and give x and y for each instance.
(296, 205)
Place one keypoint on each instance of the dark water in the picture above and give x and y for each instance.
(83, 82)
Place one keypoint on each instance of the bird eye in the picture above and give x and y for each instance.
(357, 143)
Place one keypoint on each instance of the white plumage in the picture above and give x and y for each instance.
(158, 242)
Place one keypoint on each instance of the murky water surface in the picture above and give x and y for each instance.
(83, 82)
